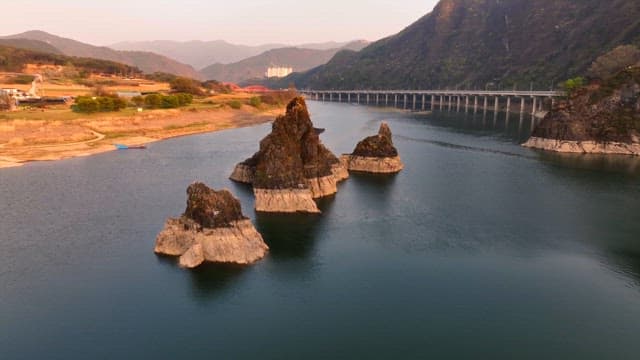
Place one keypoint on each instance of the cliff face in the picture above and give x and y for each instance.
(375, 154)
(600, 118)
(476, 43)
(291, 157)
(211, 229)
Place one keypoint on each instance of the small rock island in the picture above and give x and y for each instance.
(602, 118)
(292, 167)
(212, 229)
(375, 154)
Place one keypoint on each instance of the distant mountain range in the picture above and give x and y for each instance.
(201, 54)
(145, 61)
(485, 44)
(300, 59)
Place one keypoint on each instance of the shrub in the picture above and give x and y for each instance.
(170, 102)
(574, 84)
(87, 104)
(184, 99)
(614, 61)
(235, 104)
(255, 101)
(153, 101)
(138, 101)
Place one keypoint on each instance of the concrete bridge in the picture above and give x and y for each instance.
(423, 100)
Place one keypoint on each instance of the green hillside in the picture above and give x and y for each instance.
(486, 43)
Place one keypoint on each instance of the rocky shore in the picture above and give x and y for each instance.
(375, 154)
(292, 167)
(212, 229)
(602, 118)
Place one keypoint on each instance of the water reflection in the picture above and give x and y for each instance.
(629, 165)
(209, 281)
(292, 236)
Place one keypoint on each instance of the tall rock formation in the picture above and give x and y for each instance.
(375, 154)
(292, 166)
(600, 118)
(212, 229)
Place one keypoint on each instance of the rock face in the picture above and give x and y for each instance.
(292, 166)
(375, 154)
(601, 118)
(212, 229)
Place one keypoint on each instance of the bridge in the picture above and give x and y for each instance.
(423, 100)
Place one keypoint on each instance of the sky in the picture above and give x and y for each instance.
(248, 22)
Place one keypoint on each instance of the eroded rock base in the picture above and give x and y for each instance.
(376, 165)
(583, 147)
(238, 244)
(285, 201)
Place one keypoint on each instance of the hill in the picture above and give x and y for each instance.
(13, 60)
(300, 59)
(486, 43)
(28, 44)
(201, 54)
(146, 61)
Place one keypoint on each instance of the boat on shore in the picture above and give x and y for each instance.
(128, 147)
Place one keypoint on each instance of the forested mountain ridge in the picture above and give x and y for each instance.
(486, 43)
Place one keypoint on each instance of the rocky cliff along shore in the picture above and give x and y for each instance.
(375, 154)
(212, 229)
(292, 167)
(602, 118)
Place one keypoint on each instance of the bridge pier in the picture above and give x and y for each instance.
(395, 104)
(414, 101)
(424, 99)
(475, 104)
(441, 102)
(406, 102)
(458, 103)
(534, 105)
(433, 101)
(386, 100)
(466, 104)
(508, 106)
(495, 106)
(522, 106)
(377, 99)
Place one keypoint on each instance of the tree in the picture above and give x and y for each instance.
(574, 84)
(153, 101)
(186, 85)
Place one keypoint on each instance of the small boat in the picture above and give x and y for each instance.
(127, 147)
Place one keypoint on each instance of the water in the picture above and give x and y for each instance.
(478, 249)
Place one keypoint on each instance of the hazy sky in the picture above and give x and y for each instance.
(103, 22)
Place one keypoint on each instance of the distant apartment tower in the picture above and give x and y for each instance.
(278, 71)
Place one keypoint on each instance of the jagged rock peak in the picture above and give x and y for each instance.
(210, 208)
(380, 145)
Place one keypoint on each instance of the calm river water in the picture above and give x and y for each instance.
(478, 249)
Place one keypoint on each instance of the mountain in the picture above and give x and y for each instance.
(146, 61)
(299, 59)
(200, 54)
(485, 43)
(28, 44)
(13, 59)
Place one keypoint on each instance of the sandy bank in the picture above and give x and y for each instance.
(23, 141)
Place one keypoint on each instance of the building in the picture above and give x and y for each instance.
(278, 72)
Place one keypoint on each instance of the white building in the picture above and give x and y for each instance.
(278, 72)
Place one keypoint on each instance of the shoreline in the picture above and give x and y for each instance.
(582, 147)
(186, 123)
